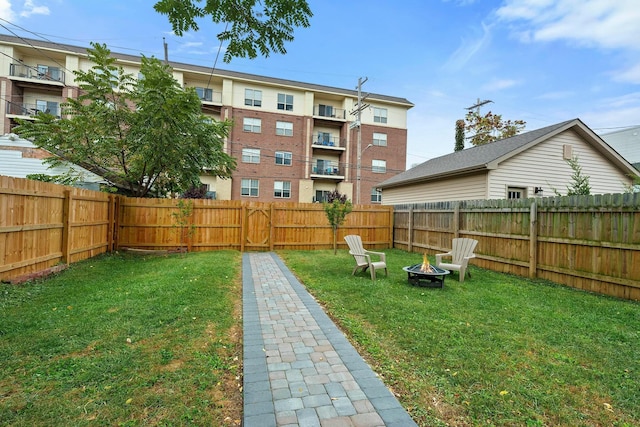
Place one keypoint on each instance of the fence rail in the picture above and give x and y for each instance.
(43, 225)
(586, 242)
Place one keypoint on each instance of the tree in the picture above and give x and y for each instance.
(146, 136)
(579, 182)
(633, 187)
(255, 26)
(491, 127)
(459, 135)
(337, 207)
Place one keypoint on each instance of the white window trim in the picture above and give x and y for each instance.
(380, 139)
(378, 166)
(252, 124)
(279, 186)
(250, 155)
(284, 128)
(250, 187)
(284, 155)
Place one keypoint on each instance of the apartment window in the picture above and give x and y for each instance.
(379, 166)
(47, 107)
(282, 189)
(376, 195)
(380, 139)
(249, 187)
(285, 102)
(379, 115)
(284, 128)
(253, 98)
(515, 193)
(283, 158)
(250, 155)
(49, 73)
(250, 124)
(321, 196)
(325, 110)
(204, 94)
(324, 138)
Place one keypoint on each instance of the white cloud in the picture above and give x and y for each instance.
(6, 12)
(30, 8)
(595, 23)
(555, 96)
(629, 75)
(618, 111)
(468, 49)
(500, 84)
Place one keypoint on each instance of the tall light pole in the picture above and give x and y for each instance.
(358, 112)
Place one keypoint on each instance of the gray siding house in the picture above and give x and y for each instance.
(526, 165)
(19, 157)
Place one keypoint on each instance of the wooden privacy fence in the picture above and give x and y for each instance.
(44, 225)
(245, 226)
(586, 242)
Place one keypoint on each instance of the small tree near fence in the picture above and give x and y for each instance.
(184, 224)
(337, 207)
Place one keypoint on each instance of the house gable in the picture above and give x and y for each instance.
(523, 162)
(544, 166)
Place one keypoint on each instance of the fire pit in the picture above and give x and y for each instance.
(425, 274)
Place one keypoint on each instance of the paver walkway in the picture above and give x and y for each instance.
(299, 369)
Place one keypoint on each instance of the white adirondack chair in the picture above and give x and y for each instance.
(460, 255)
(363, 257)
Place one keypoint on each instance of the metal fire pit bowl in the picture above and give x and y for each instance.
(428, 279)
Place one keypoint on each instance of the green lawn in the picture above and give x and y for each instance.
(493, 350)
(124, 340)
(131, 340)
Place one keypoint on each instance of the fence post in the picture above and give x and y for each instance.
(533, 240)
(117, 209)
(410, 230)
(271, 226)
(191, 228)
(391, 223)
(243, 226)
(111, 210)
(456, 220)
(66, 227)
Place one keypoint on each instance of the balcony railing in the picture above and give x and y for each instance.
(326, 141)
(52, 108)
(327, 168)
(328, 111)
(40, 73)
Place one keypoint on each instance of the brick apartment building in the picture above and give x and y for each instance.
(293, 141)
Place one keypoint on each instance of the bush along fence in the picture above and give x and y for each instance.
(45, 226)
(586, 242)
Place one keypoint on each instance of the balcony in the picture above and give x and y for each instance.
(31, 110)
(325, 141)
(209, 95)
(329, 112)
(325, 169)
(41, 73)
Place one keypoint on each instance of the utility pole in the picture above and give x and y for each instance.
(166, 51)
(479, 104)
(358, 123)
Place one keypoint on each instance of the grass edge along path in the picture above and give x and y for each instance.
(125, 340)
(494, 350)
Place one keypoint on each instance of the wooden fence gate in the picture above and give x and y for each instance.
(256, 228)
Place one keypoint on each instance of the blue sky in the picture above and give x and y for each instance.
(541, 61)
